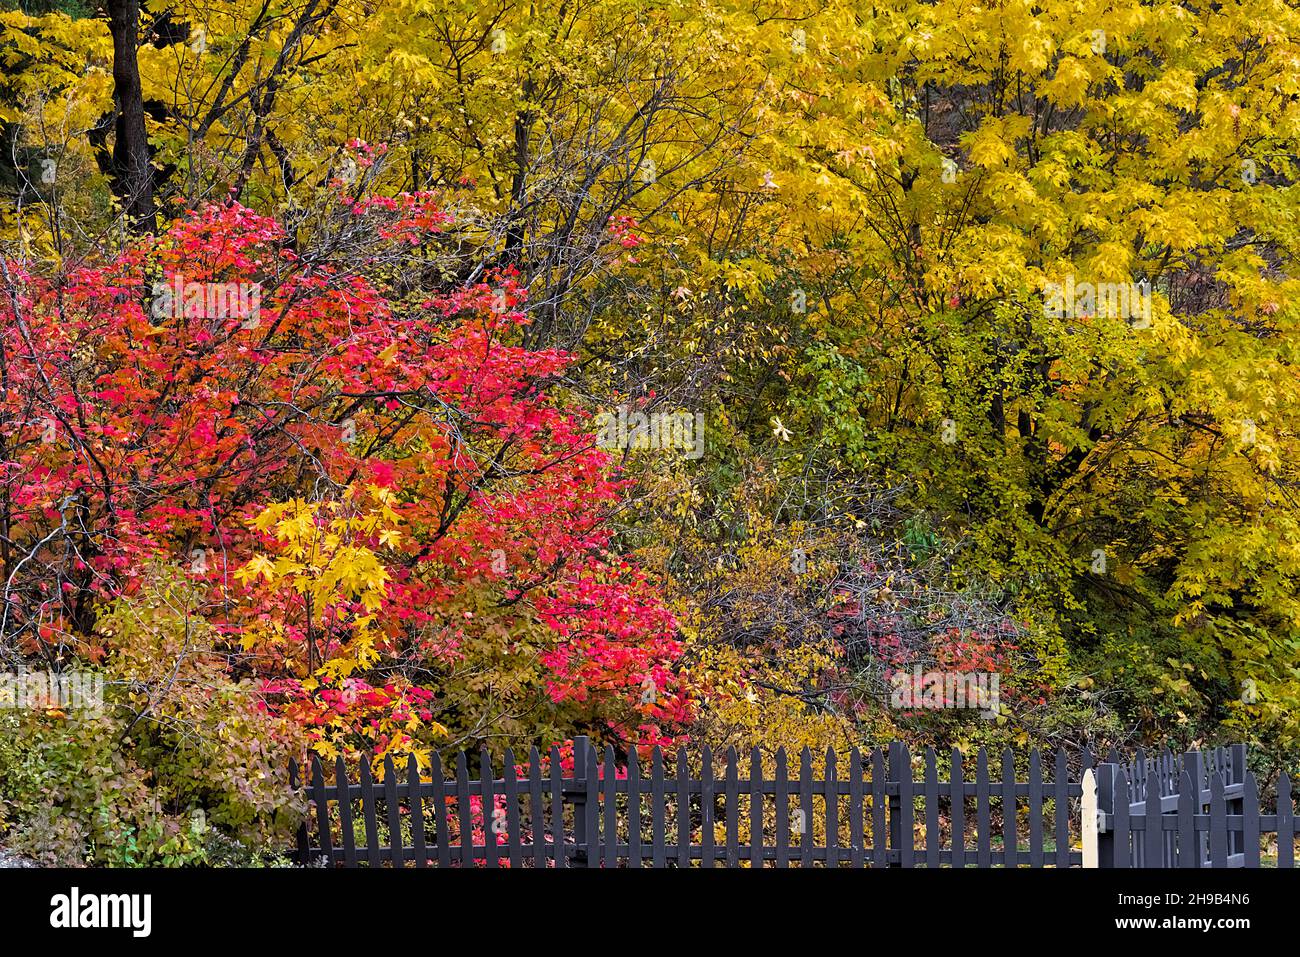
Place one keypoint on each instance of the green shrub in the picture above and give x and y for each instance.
(183, 766)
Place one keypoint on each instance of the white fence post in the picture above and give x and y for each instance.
(1088, 824)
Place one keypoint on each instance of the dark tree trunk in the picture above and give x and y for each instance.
(133, 176)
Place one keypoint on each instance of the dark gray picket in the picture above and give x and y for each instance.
(683, 811)
(463, 810)
(322, 809)
(415, 810)
(657, 813)
(1189, 848)
(611, 808)
(732, 810)
(1168, 782)
(806, 808)
(1237, 761)
(1035, 809)
(633, 810)
(368, 813)
(755, 808)
(1250, 821)
(1010, 852)
(488, 808)
(536, 807)
(1194, 766)
(931, 810)
(394, 810)
(1122, 854)
(1061, 808)
(441, 826)
(1218, 823)
(957, 809)
(1285, 823)
(856, 855)
(1153, 838)
(906, 807)
(983, 812)
(706, 808)
(831, 797)
(879, 845)
(510, 786)
(348, 829)
(559, 843)
(591, 838)
(782, 789)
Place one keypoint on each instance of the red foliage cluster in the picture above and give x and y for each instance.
(152, 404)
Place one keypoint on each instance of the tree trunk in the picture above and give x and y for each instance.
(133, 176)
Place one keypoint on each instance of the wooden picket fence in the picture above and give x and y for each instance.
(872, 813)
(1189, 810)
(863, 815)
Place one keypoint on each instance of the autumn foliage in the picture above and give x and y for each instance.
(373, 491)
